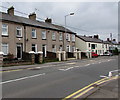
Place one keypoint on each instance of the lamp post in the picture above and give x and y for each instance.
(65, 28)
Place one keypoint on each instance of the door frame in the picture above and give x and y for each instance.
(19, 45)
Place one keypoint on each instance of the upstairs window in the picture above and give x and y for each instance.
(53, 36)
(4, 29)
(33, 33)
(67, 36)
(19, 32)
(73, 38)
(61, 37)
(43, 34)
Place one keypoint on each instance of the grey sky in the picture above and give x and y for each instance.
(92, 17)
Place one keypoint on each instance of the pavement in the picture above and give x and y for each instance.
(107, 91)
(56, 77)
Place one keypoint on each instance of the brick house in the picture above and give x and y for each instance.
(20, 34)
(90, 43)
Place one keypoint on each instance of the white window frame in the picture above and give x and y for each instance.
(68, 48)
(54, 49)
(43, 34)
(66, 36)
(6, 29)
(19, 29)
(33, 31)
(35, 47)
(61, 36)
(4, 46)
(73, 38)
(73, 48)
(53, 36)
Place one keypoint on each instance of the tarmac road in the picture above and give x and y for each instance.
(55, 80)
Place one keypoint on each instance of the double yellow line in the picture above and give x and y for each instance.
(86, 89)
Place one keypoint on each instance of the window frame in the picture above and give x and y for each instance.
(69, 37)
(35, 47)
(7, 48)
(60, 36)
(17, 29)
(45, 35)
(73, 38)
(6, 29)
(54, 49)
(35, 35)
(53, 36)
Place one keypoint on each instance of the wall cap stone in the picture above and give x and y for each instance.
(32, 52)
(1, 53)
(40, 52)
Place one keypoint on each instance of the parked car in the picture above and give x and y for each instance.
(108, 54)
(94, 55)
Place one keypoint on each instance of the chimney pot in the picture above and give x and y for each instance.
(10, 11)
(48, 20)
(32, 16)
(114, 39)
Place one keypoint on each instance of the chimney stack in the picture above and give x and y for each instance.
(10, 11)
(90, 36)
(96, 36)
(108, 39)
(48, 20)
(32, 16)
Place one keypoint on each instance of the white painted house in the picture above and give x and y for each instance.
(90, 43)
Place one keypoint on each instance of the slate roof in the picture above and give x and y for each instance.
(36, 23)
(109, 42)
(89, 39)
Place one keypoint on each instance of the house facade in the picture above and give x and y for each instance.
(20, 34)
(90, 44)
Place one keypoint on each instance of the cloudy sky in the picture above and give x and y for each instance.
(89, 17)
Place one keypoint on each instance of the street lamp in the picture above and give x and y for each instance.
(65, 27)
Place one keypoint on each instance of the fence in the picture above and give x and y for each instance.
(10, 60)
(70, 55)
(26, 56)
(51, 57)
(83, 55)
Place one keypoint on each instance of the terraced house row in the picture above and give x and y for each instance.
(20, 34)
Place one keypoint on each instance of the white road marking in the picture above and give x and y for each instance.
(23, 78)
(87, 64)
(67, 69)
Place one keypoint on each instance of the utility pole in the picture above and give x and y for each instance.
(111, 43)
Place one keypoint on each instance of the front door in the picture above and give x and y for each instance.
(44, 50)
(19, 51)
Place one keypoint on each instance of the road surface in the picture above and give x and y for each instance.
(55, 80)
